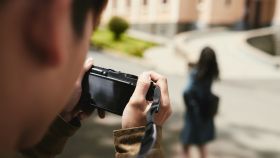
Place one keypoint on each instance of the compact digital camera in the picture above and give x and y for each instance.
(109, 90)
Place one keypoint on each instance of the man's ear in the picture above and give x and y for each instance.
(46, 35)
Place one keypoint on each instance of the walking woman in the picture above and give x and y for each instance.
(199, 126)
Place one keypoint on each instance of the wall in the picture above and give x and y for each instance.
(216, 12)
(276, 19)
(259, 13)
(188, 11)
(138, 12)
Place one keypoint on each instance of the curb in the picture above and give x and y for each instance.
(139, 61)
(258, 54)
(180, 39)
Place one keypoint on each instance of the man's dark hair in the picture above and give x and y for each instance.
(80, 8)
(2, 2)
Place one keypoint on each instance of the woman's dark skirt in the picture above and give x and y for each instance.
(196, 130)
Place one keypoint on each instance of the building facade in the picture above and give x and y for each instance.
(259, 13)
(168, 17)
(164, 17)
(220, 12)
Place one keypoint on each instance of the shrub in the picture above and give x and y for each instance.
(118, 26)
(104, 39)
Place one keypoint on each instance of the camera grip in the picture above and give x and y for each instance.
(150, 93)
(85, 102)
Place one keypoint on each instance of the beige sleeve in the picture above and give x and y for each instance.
(127, 143)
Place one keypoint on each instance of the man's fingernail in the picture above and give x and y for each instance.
(88, 63)
(89, 60)
(146, 77)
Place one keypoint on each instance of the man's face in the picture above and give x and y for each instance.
(42, 60)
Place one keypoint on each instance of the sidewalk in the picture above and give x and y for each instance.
(165, 59)
(237, 60)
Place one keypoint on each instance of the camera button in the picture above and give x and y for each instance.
(131, 76)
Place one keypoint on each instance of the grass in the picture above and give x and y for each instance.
(103, 38)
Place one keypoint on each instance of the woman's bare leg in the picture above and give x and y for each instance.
(186, 151)
(203, 151)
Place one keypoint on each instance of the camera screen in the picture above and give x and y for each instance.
(109, 95)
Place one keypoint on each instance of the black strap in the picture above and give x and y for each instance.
(149, 139)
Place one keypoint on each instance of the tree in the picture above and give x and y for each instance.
(118, 26)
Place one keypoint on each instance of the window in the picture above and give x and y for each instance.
(228, 2)
(128, 3)
(114, 4)
(145, 2)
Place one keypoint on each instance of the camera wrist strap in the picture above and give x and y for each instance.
(150, 136)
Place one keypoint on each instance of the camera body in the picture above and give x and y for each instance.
(108, 90)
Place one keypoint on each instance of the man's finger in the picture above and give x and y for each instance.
(142, 87)
(87, 65)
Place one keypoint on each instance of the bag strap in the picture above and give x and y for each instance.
(149, 139)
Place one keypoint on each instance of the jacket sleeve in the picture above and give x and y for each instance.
(54, 140)
(128, 141)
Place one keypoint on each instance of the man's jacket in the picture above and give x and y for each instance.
(127, 142)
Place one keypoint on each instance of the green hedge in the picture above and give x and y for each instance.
(104, 38)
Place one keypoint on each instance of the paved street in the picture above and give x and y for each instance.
(247, 124)
(236, 58)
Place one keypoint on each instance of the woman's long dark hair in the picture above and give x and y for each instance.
(207, 66)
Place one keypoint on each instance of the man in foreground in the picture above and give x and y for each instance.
(43, 46)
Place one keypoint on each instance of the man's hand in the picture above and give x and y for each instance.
(134, 114)
(72, 110)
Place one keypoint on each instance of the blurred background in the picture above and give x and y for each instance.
(166, 35)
